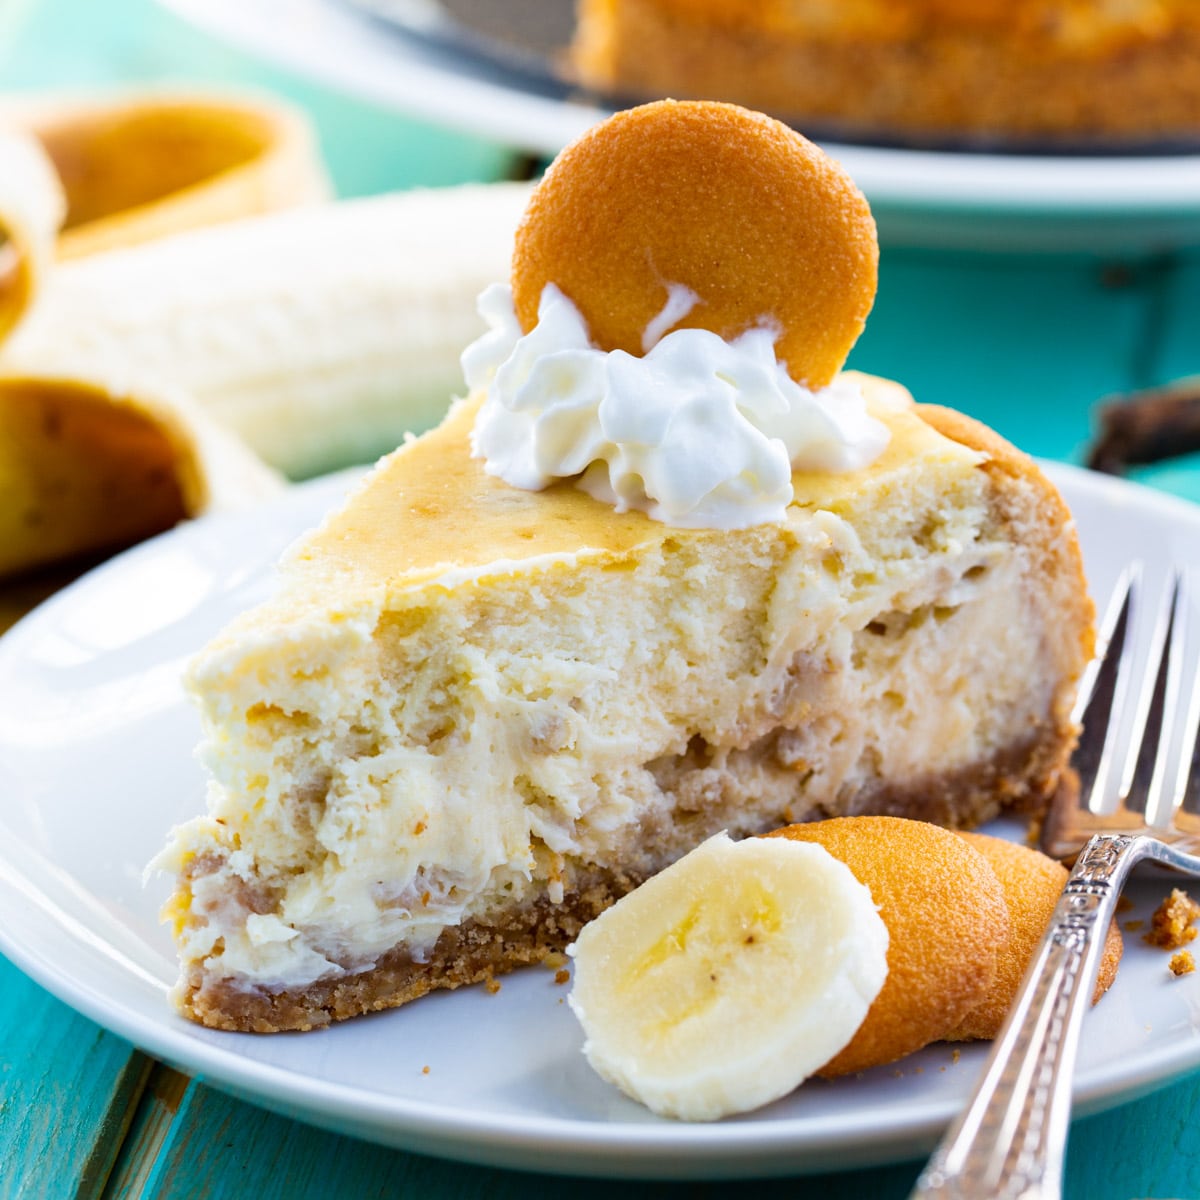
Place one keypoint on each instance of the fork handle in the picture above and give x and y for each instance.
(1009, 1142)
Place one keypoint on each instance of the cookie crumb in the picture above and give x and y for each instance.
(1033, 832)
(1124, 904)
(562, 976)
(424, 1070)
(1182, 963)
(1134, 925)
(555, 959)
(491, 986)
(956, 1054)
(1173, 922)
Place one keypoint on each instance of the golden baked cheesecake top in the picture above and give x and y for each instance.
(429, 512)
(760, 234)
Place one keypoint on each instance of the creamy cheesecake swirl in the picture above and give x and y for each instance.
(699, 432)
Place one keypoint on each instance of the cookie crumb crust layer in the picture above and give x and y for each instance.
(476, 952)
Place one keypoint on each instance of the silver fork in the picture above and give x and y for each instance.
(1140, 702)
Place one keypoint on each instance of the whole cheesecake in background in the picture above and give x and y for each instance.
(1108, 73)
(589, 621)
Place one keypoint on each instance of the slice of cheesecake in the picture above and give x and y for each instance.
(959, 72)
(601, 614)
(475, 715)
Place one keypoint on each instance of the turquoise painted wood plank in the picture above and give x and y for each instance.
(1177, 339)
(1172, 352)
(1150, 1148)
(220, 1149)
(67, 1090)
(217, 1148)
(153, 1123)
(1026, 344)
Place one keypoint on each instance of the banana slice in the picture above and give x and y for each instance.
(726, 980)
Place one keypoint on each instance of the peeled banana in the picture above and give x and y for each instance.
(726, 980)
(319, 336)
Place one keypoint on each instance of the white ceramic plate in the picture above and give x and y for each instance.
(1108, 205)
(96, 763)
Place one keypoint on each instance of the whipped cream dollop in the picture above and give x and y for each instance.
(698, 432)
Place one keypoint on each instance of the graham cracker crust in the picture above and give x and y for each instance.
(471, 953)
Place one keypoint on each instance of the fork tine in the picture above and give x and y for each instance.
(1181, 714)
(1108, 696)
(1063, 833)
(1133, 697)
(1137, 760)
(1100, 674)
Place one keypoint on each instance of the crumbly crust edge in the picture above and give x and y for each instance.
(1021, 779)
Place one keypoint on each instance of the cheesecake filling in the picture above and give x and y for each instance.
(471, 759)
(699, 432)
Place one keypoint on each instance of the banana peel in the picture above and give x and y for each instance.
(91, 462)
(147, 164)
(86, 468)
(32, 205)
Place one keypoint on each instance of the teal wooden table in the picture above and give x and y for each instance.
(1027, 344)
